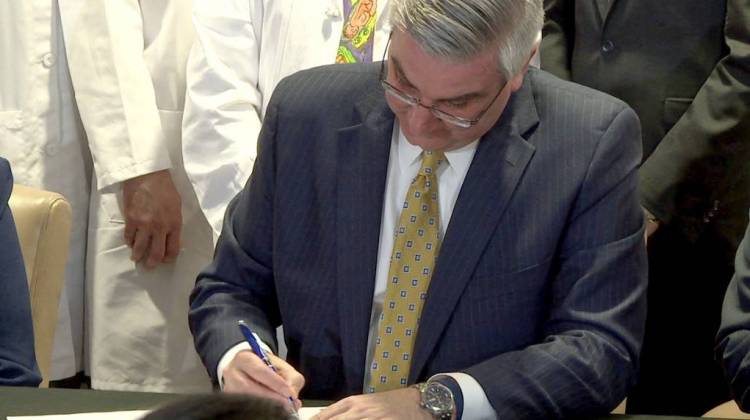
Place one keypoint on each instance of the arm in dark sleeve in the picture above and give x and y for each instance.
(713, 133)
(558, 34)
(733, 349)
(588, 358)
(17, 359)
(239, 283)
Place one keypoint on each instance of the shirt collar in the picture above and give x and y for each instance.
(458, 159)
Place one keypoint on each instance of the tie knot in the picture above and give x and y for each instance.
(430, 161)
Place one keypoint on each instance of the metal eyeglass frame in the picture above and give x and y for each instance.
(412, 101)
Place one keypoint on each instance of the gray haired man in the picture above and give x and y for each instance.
(447, 233)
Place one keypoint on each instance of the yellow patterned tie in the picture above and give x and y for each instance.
(415, 249)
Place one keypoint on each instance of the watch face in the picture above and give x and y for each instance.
(438, 398)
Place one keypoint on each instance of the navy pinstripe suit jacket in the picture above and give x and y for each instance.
(539, 288)
(17, 360)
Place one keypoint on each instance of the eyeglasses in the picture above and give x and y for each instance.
(412, 101)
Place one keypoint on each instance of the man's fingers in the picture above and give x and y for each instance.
(252, 366)
(292, 377)
(156, 250)
(152, 205)
(140, 245)
(270, 379)
(397, 404)
(129, 233)
(173, 245)
(336, 409)
(238, 382)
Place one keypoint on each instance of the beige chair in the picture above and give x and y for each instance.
(43, 222)
(620, 409)
(728, 410)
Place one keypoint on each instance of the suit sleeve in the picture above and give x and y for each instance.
(713, 133)
(114, 89)
(239, 283)
(557, 37)
(588, 357)
(223, 102)
(733, 349)
(17, 360)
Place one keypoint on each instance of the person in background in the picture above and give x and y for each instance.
(147, 235)
(447, 218)
(243, 48)
(733, 339)
(42, 137)
(220, 406)
(684, 67)
(17, 360)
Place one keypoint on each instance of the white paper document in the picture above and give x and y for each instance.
(112, 415)
(305, 413)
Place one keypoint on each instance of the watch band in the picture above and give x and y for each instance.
(422, 388)
(458, 395)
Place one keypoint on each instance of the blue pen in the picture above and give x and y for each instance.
(258, 350)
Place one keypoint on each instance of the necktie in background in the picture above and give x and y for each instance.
(358, 32)
(415, 248)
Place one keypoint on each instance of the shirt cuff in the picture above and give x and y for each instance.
(476, 404)
(232, 352)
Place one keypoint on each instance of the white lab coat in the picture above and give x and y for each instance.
(243, 49)
(41, 135)
(127, 61)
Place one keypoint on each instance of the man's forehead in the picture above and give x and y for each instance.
(463, 95)
(456, 75)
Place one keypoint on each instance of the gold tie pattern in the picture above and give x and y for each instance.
(415, 248)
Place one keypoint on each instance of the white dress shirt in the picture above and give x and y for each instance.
(403, 164)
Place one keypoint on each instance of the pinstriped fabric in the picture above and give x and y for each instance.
(537, 293)
(412, 261)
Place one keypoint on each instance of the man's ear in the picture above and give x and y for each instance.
(517, 81)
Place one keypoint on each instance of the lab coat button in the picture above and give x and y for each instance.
(48, 60)
(51, 149)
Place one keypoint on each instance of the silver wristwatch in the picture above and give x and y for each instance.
(437, 399)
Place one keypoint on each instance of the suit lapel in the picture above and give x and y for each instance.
(604, 7)
(499, 162)
(363, 152)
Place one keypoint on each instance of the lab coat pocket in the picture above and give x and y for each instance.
(11, 121)
(13, 144)
(112, 205)
(11, 127)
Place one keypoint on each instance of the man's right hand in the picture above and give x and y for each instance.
(153, 218)
(247, 374)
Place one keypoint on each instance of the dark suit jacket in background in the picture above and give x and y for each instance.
(734, 334)
(684, 67)
(17, 359)
(539, 286)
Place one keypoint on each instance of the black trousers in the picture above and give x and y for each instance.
(679, 374)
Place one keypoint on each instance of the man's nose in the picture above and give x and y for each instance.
(421, 117)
